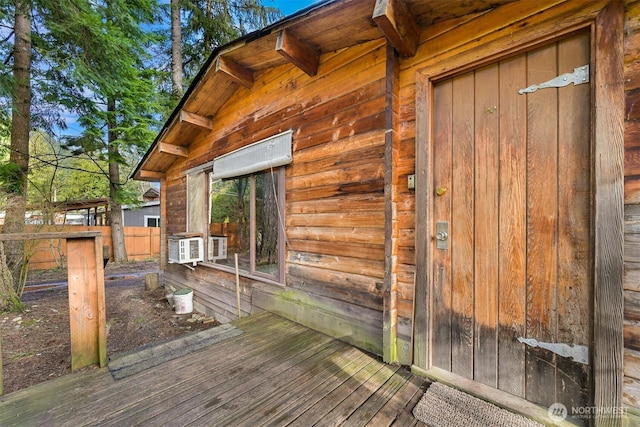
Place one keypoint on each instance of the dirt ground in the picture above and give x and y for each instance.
(36, 344)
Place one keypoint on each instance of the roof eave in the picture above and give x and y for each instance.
(139, 172)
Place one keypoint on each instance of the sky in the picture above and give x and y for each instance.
(287, 7)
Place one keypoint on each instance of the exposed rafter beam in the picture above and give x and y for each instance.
(395, 20)
(150, 175)
(195, 120)
(298, 52)
(234, 71)
(174, 150)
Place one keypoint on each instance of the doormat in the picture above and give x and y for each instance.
(147, 357)
(443, 406)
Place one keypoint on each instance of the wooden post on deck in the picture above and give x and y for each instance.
(87, 310)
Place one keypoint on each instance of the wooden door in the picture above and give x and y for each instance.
(512, 190)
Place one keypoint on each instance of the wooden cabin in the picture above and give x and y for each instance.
(453, 185)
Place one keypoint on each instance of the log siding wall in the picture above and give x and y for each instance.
(176, 205)
(334, 194)
(335, 208)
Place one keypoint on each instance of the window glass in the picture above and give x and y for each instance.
(266, 244)
(244, 220)
(152, 221)
(230, 218)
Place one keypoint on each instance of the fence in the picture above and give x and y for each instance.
(141, 243)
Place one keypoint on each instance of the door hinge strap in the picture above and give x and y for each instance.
(578, 353)
(579, 76)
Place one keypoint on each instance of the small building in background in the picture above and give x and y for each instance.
(145, 215)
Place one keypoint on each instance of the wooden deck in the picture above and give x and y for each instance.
(275, 373)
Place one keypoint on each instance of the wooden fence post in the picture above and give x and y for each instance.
(87, 310)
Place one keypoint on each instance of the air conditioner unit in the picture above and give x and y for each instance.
(184, 251)
(217, 248)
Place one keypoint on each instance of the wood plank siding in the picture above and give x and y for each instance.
(359, 259)
(631, 387)
(475, 43)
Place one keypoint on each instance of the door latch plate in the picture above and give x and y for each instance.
(442, 235)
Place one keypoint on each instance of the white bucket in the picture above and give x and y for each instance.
(183, 300)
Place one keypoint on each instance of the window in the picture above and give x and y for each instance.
(245, 189)
(151, 221)
(246, 218)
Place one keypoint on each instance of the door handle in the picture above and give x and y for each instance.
(442, 235)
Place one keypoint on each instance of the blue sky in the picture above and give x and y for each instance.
(288, 7)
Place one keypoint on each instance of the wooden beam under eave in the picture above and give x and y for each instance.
(234, 71)
(173, 150)
(197, 120)
(395, 20)
(150, 175)
(298, 52)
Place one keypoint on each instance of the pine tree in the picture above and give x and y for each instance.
(14, 174)
(176, 50)
(118, 104)
(79, 56)
(213, 23)
(91, 59)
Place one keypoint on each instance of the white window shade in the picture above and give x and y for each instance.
(271, 152)
(196, 199)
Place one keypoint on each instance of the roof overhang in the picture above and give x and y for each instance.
(299, 39)
(73, 205)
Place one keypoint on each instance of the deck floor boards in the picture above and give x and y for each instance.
(340, 373)
(276, 372)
